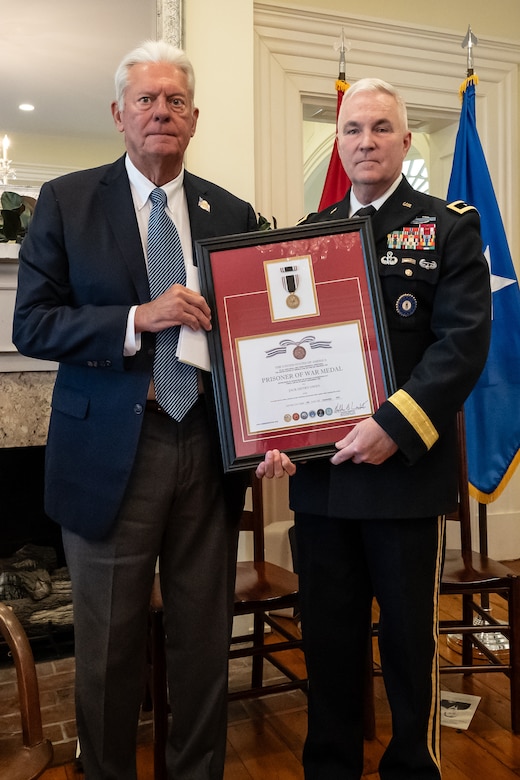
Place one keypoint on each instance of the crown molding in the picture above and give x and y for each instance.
(295, 60)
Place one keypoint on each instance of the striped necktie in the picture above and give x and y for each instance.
(175, 382)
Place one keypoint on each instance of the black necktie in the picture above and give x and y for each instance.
(175, 382)
(366, 211)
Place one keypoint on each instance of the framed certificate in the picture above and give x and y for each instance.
(299, 350)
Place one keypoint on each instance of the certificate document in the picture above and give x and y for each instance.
(304, 377)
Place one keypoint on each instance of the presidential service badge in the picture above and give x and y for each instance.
(406, 305)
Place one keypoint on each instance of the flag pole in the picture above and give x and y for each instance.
(336, 181)
(495, 641)
(342, 75)
(469, 42)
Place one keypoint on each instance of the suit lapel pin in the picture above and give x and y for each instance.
(203, 204)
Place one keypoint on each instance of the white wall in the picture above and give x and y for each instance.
(219, 42)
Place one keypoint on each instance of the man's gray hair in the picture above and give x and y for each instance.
(152, 51)
(378, 85)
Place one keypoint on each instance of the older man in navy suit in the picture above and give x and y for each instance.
(128, 481)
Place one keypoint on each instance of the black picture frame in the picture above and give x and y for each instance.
(286, 286)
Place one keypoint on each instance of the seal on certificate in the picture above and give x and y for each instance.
(299, 352)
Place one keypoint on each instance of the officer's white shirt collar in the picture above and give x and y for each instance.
(355, 205)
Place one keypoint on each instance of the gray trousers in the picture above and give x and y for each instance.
(174, 510)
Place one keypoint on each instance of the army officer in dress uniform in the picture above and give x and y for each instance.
(368, 522)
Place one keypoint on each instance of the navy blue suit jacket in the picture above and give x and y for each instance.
(81, 269)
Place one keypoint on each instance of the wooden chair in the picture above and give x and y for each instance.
(474, 577)
(29, 758)
(261, 588)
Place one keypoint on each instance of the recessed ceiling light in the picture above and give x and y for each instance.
(26, 107)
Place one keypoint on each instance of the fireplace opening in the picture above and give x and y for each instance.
(34, 579)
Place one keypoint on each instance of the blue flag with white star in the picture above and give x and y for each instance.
(492, 410)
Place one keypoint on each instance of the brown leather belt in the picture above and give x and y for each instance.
(153, 406)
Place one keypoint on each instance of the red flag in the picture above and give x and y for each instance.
(336, 181)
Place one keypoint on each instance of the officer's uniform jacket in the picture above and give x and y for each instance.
(435, 286)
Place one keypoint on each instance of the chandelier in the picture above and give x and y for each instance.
(6, 172)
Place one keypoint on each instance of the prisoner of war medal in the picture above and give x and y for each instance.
(290, 284)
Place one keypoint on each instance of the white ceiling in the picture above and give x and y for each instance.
(60, 55)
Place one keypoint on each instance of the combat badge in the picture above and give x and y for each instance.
(428, 265)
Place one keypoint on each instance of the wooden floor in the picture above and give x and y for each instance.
(268, 745)
(265, 736)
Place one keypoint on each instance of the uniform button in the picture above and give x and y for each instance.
(138, 408)
(409, 272)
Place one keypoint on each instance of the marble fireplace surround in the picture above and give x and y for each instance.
(25, 402)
